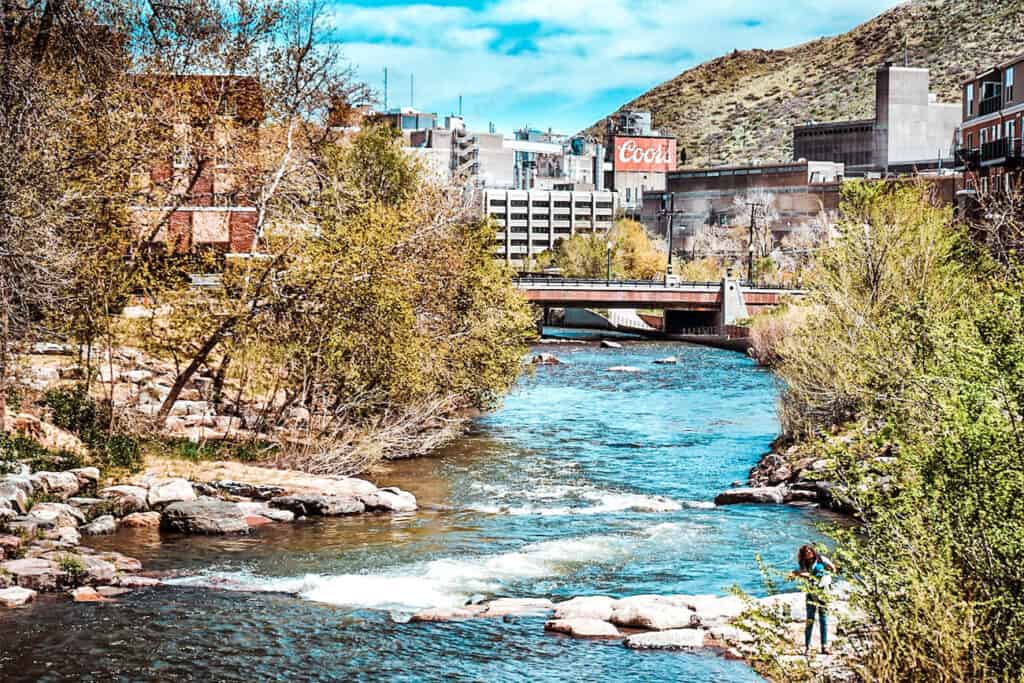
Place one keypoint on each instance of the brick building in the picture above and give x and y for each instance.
(200, 196)
(990, 134)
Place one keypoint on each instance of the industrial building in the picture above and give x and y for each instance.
(700, 198)
(640, 157)
(530, 222)
(911, 130)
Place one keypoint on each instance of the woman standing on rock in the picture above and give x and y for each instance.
(816, 570)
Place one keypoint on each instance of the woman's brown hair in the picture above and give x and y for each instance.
(806, 557)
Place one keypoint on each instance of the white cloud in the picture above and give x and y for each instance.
(583, 47)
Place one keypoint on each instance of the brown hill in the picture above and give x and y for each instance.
(743, 106)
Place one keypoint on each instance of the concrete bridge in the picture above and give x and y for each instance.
(686, 304)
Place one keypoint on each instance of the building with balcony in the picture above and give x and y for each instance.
(910, 132)
(530, 222)
(990, 134)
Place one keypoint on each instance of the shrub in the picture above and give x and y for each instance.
(122, 451)
(73, 568)
(76, 411)
(17, 448)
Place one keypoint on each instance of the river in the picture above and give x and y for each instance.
(543, 499)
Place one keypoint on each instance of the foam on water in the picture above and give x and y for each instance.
(578, 500)
(450, 582)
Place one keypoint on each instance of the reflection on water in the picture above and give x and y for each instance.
(585, 482)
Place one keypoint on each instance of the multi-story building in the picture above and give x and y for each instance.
(991, 131)
(700, 198)
(530, 222)
(911, 131)
(201, 196)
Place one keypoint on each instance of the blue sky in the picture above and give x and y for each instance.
(561, 64)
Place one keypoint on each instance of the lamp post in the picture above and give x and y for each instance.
(609, 277)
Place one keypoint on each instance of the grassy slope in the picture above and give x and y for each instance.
(752, 99)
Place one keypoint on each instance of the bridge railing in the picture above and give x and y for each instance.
(527, 280)
(727, 331)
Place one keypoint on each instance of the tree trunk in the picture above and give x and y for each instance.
(204, 352)
(5, 329)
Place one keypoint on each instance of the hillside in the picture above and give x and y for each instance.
(744, 105)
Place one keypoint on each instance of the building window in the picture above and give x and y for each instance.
(970, 141)
(1009, 85)
(970, 99)
(984, 136)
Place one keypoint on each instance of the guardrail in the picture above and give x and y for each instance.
(593, 283)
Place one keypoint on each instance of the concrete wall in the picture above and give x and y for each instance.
(910, 126)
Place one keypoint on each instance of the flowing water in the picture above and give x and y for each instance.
(585, 482)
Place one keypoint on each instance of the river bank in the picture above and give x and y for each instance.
(585, 483)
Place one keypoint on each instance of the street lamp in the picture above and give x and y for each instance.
(609, 278)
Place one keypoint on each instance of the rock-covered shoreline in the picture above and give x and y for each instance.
(47, 517)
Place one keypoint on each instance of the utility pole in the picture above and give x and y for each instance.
(750, 250)
(671, 229)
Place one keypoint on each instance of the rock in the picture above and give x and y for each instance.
(100, 526)
(137, 376)
(318, 506)
(88, 477)
(85, 504)
(671, 360)
(16, 597)
(122, 563)
(629, 369)
(182, 408)
(71, 372)
(583, 628)
(654, 616)
(607, 344)
(254, 491)
(136, 581)
(546, 359)
(23, 527)
(86, 594)
(21, 481)
(712, 610)
(112, 591)
(264, 510)
(141, 520)
(128, 498)
(61, 484)
(256, 521)
(801, 495)
(171, 491)
(442, 614)
(10, 545)
(51, 349)
(35, 573)
(764, 495)
(210, 516)
(15, 496)
(589, 607)
(517, 606)
(56, 514)
(731, 634)
(389, 500)
(676, 639)
(95, 570)
(789, 605)
(6, 513)
(64, 535)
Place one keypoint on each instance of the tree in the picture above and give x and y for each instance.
(634, 254)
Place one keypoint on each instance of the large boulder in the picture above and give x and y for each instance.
(86, 594)
(653, 615)
(676, 639)
(713, 610)
(171, 491)
(141, 520)
(765, 495)
(209, 516)
(101, 526)
(503, 607)
(37, 574)
(56, 514)
(318, 506)
(80, 568)
(264, 510)
(16, 597)
(546, 359)
(589, 607)
(66, 536)
(60, 484)
(128, 499)
(389, 500)
(122, 563)
(583, 628)
(15, 496)
(88, 477)
(443, 614)
(246, 490)
(788, 605)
